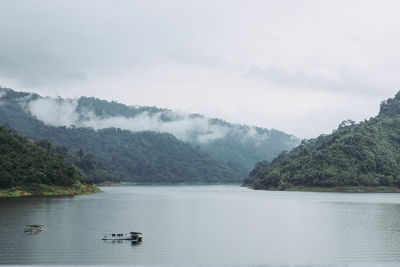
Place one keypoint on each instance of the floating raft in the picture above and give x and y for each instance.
(132, 236)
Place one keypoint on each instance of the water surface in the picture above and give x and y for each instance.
(203, 225)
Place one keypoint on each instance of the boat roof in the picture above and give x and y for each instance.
(34, 225)
(135, 233)
(130, 233)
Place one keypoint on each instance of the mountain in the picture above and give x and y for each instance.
(135, 156)
(144, 144)
(364, 155)
(26, 169)
(239, 146)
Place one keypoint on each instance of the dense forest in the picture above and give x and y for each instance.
(139, 157)
(238, 149)
(147, 156)
(25, 165)
(364, 154)
(86, 163)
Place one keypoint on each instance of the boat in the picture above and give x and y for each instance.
(136, 237)
(34, 228)
(132, 236)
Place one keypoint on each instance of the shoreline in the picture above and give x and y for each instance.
(106, 184)
(337, 189)
(41, 190)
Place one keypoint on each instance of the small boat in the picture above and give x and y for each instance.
(132, 236)
(136, 237)
(34, 228)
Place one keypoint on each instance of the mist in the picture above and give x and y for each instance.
(195, 129)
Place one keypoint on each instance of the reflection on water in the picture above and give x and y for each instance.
(203, 225)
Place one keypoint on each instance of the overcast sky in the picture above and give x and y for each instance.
(297, 66)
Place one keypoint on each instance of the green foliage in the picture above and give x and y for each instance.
(103, 108)
(146, 156)
(87, 164)
(242, 153)
(140, 157)
(48, 190)
(23, 163)
(93, 169)
(237, 151)
(364, 154)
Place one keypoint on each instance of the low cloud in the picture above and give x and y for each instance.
(194, 129)
(60, 112)
(2, 93)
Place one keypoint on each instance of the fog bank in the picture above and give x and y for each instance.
(195, 129)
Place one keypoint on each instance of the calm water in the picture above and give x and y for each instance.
(203, 225)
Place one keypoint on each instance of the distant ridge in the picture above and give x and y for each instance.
(144, 144)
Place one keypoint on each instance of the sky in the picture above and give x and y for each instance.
(298, 66)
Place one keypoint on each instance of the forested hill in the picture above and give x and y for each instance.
(145, 156)
(239, 146)
(28, 168)
(144, 144)
(366, 155)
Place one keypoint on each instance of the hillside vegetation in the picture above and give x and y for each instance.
(363, 155)
(213, 152)
(86, 163)
(144, 157)
(30, 170)
(239, 147)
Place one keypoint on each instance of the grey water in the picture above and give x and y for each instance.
(203, 225)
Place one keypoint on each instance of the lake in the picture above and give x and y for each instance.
(218, 224)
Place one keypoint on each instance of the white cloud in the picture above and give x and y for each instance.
(3, 93)
(197, 129)
(59, 112)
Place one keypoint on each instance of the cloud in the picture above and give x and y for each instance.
(252, 134)
(59, 112)
(185, 128)
(188, 128)
(3, 92)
